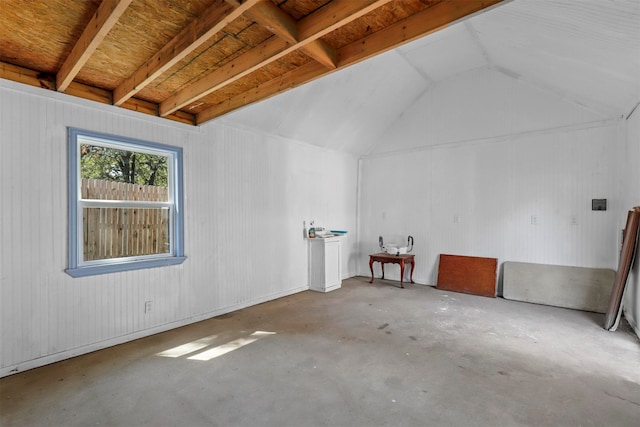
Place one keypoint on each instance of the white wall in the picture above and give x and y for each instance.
(246, 197)
(535, 155)
(630, 198)
(492, 189)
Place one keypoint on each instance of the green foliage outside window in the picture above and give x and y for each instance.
(116, 165)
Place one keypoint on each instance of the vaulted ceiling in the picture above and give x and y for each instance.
(196, 60)
(584, 54)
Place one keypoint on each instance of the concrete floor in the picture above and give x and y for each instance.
(364, 355)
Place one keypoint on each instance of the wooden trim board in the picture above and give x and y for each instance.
(467, 274)
(626, 258)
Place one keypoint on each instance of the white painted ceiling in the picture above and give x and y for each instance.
(586, 52)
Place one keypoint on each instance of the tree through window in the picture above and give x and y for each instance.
(125, 204)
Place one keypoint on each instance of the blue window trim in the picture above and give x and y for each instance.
(176, 258)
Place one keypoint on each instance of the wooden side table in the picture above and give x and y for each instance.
(384, 258)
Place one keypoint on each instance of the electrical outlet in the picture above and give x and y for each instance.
(534, 219)
(456, 219)
(147, 306)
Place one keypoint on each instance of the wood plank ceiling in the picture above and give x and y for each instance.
(195, 60)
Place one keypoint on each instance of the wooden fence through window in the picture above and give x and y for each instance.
(124, 232)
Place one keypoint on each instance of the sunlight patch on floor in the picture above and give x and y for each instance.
(187, 348)
(230, 346)
(214, 352)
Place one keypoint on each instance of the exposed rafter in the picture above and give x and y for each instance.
(275, 20)
(203, 58)
(279, 23)
(411, 28)
(211, 22)
(101, 23)
(310, 28)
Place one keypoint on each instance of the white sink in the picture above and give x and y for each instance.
(396, 250)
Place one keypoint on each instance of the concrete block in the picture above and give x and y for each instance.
(579, 288)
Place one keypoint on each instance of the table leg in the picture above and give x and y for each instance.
(413, 265)
(382, 264)
(401, 273)
(371, 268)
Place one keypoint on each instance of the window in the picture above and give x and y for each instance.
(125, 204)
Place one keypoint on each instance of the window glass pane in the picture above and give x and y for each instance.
(109, 173)
(124, 232)
(125, 204)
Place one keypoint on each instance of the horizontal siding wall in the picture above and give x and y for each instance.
(526, 198)
(246, 197)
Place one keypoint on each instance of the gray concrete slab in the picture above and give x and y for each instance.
(580, 288)
(363, 355)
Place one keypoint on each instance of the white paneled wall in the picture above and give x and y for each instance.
(246, 197)
(485, 164)
(524, 199)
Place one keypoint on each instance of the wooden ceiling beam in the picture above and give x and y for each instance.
(99, 26)
(322, 52)
(46, 81)
(311, 28)
(279, 23)
(275, 20)
(211, 22)
(423, 23)
(411, 28)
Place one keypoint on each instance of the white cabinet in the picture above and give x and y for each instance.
(325, 269)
